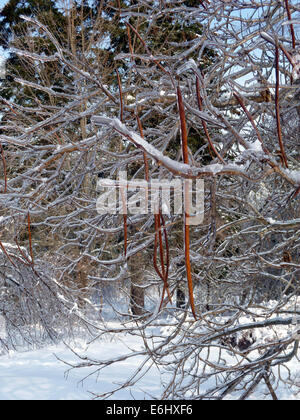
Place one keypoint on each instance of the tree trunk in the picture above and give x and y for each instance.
(180, 298)
(137, 292)
(137, 299)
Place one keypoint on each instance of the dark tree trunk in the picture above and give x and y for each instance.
(137, 292)
(137, 299)
(180, 298)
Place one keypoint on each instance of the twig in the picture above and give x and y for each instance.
(147, 49)
(6, 253)
(184, 145)
(291, 25)
(163, 274)
(120, 95)
(279, 131)
(4, 169)
(30, 240)
(204, 125)
(144, 153)
(270, 388)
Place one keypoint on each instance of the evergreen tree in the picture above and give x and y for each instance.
(92, 37)
(13, 34)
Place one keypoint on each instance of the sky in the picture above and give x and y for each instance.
(3, 3)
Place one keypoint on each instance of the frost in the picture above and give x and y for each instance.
(256, 146)
(130, 98)
(190, 64)
(294, 175)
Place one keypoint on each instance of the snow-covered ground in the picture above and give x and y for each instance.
(38, 375)
(41, 375)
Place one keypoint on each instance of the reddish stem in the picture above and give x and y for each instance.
(147, 49)
(184, 143)
(144, 154)
(30, 241)
(250, 118)
(22, 253)
(204, 125)
(291, 25)
(4, 169)
(120, 95)
(279, 132)
(6, 253)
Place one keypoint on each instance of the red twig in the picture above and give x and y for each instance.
(294, 195)
(129, 42)
(125, 230)
(163, 273)
(159, 221)
(184, 145)
(119, 7)
(30, 240)
(287, 6)
(6, 253)
(120, 95)
(269, 39)
(22, 253)
(279, 132)
(286, 53)
(184, 138)
(125, 234)
(156, 218)
(162, 4)
(4, 169)
(166, 286)
(250, 118)
(144, 154)
(147, 49)
(155, 247)
(167, 245)
(281, 47)
(9, 105)
(161, 249)
(124, 204)
(203, 3)
(204, 125)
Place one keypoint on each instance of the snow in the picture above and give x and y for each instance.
(38, 375)
(294, 176)
(42, 374)
(256, 146)
(172, 165)
(13, 248)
